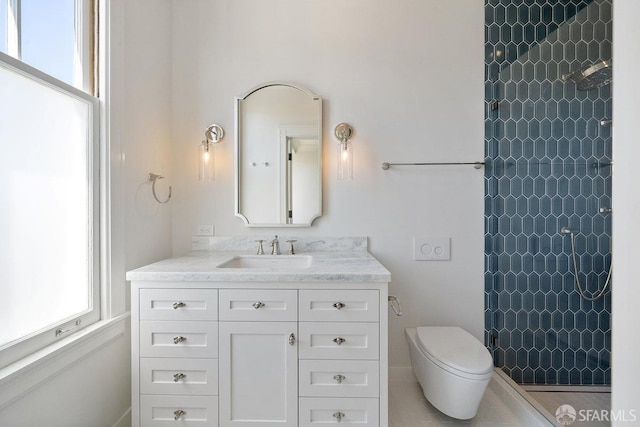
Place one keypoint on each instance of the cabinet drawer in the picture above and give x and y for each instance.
(178, 339)
(339, 340)
(339, 305)
(259, 305)
(339, 378)
(178, 304)
(179, 376)
(185, 411)
(318, 411)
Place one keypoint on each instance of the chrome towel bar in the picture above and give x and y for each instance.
(476, 165)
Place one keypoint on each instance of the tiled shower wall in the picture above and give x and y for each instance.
(548, 165)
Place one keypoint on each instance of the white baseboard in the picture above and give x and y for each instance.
(125, 420)
(401, 374)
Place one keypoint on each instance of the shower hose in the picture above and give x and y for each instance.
(598, 294)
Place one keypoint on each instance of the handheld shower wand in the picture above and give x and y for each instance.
(566, 230)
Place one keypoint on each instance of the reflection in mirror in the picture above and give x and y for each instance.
(278, 156)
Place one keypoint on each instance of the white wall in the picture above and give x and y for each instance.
(408, 76)
(146, 129)
(626, 211)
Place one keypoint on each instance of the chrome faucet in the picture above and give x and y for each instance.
(275, 246)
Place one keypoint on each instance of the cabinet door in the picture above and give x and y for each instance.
(178, 339)
(259, 305)
(188, 376)
(320, 411)
(178, 304)
(258, 374)
(339, 340)
(344, 305)
(183, 411)
(339, 378)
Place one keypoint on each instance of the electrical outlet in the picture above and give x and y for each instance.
(205, 230)
(432, 248)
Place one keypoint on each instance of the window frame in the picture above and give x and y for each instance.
(22, 348)
(85, 40)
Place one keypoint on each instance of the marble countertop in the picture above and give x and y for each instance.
(333, 260)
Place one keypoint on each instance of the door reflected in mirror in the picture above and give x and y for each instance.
(278, 156)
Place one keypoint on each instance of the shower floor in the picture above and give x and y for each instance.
(587, 398)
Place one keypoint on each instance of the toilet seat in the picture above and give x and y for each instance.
(455, 350)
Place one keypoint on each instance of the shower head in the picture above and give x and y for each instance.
(592, 76)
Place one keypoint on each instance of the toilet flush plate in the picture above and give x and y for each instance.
(432, 248)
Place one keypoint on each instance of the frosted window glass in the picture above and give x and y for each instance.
(48, 37)
(45, 215)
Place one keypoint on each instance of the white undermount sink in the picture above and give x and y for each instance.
(268, 262)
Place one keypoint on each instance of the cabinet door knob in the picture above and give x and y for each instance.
(339, 305)
(178, 414)
(292, 339)
(177, 377)
(338, 416)
(258, 305)
(178, 304)
(178, 340)
(339, 340)
(339, 378)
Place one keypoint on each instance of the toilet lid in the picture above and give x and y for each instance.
(456, 348)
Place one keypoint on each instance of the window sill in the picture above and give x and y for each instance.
(26, 374)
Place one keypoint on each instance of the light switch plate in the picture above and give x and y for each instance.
(432, 248)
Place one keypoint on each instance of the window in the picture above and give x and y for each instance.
(49, 176)
(55, 37)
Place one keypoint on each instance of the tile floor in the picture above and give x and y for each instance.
(551, 400)
(409, 408)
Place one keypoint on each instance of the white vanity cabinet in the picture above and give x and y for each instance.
(259, 353)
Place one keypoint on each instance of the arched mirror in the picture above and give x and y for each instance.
(278, 156)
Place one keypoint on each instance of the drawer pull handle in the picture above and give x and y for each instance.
(258, 305)
(339, 340)
(178, 340)
(339, 378)
(177, 377)
(338, 416)
(292, 339)
(178, 414)
(179, 304)
(339, 305)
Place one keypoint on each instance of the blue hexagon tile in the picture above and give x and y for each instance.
(548, 157)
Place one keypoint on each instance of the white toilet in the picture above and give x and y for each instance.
(452, 367)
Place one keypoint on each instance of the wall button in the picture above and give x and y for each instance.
(432, 248)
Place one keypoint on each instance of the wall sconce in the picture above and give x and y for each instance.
(344, 132)
(206, 155)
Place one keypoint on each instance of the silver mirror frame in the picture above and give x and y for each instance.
(237, 153)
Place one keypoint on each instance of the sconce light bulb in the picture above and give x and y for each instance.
(206, 161)
(345, 162)
(345, 152)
